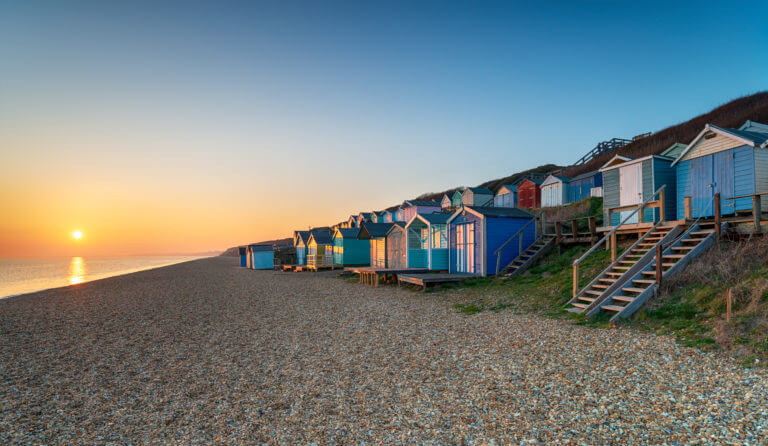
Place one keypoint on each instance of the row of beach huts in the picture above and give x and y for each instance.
(666, 207)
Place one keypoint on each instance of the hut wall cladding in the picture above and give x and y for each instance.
(582, 188)
(498, 231)
(664, 173)
(378, 252)
(477, 263)
(552, 194)
(528, 194)
(732, 172)
(396, 248)
(611, 195)
(761, 175)
(411, 211)
(418, 256)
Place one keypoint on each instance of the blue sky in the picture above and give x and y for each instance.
(369, 102)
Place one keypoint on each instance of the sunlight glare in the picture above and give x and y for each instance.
(76, 270)
(77, 235)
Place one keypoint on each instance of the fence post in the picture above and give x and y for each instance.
(592, 229)
(662, 210)
(613, 247)
(575, 228)
(641, 214)
(575, 279)
(520, 244)
(728, 305)
(659, 259)
(688, 212)
(757, 212)
(558, 231)
(717, 216)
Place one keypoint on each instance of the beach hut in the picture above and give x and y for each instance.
(477, 196)
(363, 217)
(427, 241)
(506, 196)
(387, 217)
(348, 250)
(351, 222)
(732, 162)
(583, 186)
(554, 191)
(628, 182)
(413, 207)
(261, 256)
(529, 193)
(243, 256)
(474, 233)
(376, 234)
(446, 203)
(300, 239)
(674, 150)
(397, 254)
(399, 214)
(456, 198)
(319, 250)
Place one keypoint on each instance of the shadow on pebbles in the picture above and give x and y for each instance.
(205, 352)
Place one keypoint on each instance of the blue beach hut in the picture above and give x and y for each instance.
(628, 182)
(581, 186)
(474, 233)
(427, 241)
(506, 196)
(477, 196)
(243, 257)
(399, 214)
(300, 240)
(413, 207)
(732, 162)
(348, 250)
(261, 256)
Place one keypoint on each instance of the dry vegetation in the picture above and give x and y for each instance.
(732, 114)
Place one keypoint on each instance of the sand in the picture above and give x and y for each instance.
(205, 352)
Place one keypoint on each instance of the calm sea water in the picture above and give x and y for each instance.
(18, 276)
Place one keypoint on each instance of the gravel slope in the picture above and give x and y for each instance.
(205, 351)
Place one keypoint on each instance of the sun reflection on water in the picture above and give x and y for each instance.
(76, 270)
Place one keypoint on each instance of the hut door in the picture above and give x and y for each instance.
(724, 176)
(381, 253)
(630, 188)
(465, 248)
(702, 180)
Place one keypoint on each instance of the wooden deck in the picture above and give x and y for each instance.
(426, 280)
(374, 276)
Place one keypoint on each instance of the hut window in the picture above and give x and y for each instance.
(424, 238)
(439, 239)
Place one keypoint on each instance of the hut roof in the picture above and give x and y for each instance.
(532, 180)
(674, 150)
(584, 175)
(480, 190)
(490, 211)
(348, 232)
(509, 187)
(261, 248)
(321, 238)
(396, 225)
(369, 229)
(438, 218)
(421, 203)
(754, 139)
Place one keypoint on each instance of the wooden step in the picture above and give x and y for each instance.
(633, 290)
(707, 232)
(596, 293)
(629, 262)
(615, 308)
(578, 305)
(644, 281)
(597, 285)
(614, 274)
(622, 267)
(683, 248)
(668, 264)
(649, 273)
(673, 256)
(623, 298)
(607, 280)
(587, 299)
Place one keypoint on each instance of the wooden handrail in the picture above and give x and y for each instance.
(746, 196)
(605, 237)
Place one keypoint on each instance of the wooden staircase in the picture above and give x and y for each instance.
(624, 301)
(631, 261)
(529, 256)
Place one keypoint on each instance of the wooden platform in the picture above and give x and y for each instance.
(426, 280)
(373, 276)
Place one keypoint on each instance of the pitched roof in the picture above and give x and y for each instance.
(374, 229)
(396, 224)
(584, 175)
(421, 203)
(674, 150)
(532, 180)
(480, 190)
(261, 248)
(348, 232)
(438, 218)
(490, 211)
(303, 235)
(321, 238)
(366, 215)
(752, 126)
(754, 139)
(509, 187)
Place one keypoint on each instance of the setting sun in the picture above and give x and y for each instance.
(77, 235)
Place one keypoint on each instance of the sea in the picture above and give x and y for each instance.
(20, 276)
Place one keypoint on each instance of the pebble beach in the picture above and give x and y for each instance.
(205, 352)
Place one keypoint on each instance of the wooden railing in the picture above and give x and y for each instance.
(757, 208)
(646, 205)
(643, 205)
(574, 226)
(519, 235)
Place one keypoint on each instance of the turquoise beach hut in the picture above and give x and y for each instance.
(261, 256)
(506, 196)
(628, 182)
(300, 240)
(457, 199)
(348, 250)
(427, 241)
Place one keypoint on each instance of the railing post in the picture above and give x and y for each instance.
(641, 214)
(613, 247)
(575, 229)
(520, 245)
(757, 212)
(575, 279)
(558, 231)
(717, 216)
(662, 210)
(688, 210)
(592, 229)
(658, 264)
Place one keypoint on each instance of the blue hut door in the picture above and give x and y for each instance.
(702, 180)
(465, 248)
(724, 177)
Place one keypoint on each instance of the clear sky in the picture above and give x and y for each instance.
(162, 127)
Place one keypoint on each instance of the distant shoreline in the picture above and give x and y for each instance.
(104, 276)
